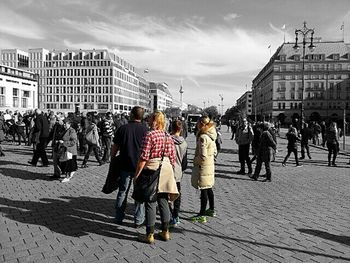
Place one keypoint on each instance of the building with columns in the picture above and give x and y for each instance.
(277, 89)
(18, 89)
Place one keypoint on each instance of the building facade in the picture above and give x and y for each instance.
(18, 89)
(161, 98)
(82, 80)
(244, 103)
(277, 89)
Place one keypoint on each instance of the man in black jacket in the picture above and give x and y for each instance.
(40, 139)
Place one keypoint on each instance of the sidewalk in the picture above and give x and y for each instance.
(301, 216)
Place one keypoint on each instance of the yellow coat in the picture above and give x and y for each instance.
(203, 163)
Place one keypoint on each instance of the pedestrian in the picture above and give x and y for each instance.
(127, 141)
(2, 133)
(106, 136)
(292, 147)
(55, 136)
(332, 140)
(156, 143)
(244, 137)
(204, 167)
(40, 138)
(265, 153)
(316, 133)
(323, 133)
(180, 167)
(20, 130)
(257, 130)
(93, 143)
(306, 135)
(70, 143)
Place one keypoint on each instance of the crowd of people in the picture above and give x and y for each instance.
(147, 143)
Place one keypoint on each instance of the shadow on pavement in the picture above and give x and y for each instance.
(24, 174)
(340, 239)
(71, 216)
(240, 242)
(229, 151)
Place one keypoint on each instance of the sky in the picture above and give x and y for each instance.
(213, 48)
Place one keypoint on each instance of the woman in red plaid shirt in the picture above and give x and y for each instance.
(151, 154)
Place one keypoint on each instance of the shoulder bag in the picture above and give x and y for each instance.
(146, 185)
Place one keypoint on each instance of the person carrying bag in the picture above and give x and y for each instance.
(158, 152)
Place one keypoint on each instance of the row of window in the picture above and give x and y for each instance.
(86, 106)
(15, 102)
(83, 63)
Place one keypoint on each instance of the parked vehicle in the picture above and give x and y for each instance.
(192, 121)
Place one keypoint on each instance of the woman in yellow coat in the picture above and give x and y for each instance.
(204, 167)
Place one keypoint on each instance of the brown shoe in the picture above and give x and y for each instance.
(148, 238)
(164, 235)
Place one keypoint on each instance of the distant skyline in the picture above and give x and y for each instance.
(210, 47)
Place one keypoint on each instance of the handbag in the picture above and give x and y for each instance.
(146, 185)
(66, 156)
(91, 137)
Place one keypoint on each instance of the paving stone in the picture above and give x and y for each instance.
(301, 216)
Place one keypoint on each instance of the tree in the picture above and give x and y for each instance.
(212, 112)
(233, 113)
(172, 112)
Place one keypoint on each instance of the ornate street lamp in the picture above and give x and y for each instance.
(304, 32)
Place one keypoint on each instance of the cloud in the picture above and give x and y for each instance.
(19, 25)
(183, 49)
(230, 17)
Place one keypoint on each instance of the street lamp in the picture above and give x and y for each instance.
(222, 104)
(304, 32)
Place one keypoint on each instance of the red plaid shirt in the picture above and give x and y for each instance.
(152, 146)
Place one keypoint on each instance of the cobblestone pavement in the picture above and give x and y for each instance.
(303, 215)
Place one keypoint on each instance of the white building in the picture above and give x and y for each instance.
(82, 80)
(161, 98)
(18, 89)
(244, 103)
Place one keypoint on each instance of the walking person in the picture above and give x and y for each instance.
(180, 167)
(204, 167)
(265, 153)
(40, 139)
(306, 135)
(2, 133)
(55, 136)
(20, 130)
(106, 136)
(257, 129)
(157, 143)
(94, 144)
(127, 141)
(70, 142)
(292, 147)
(332, 141)
(244, 137)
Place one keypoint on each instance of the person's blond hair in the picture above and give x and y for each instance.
(157, 121)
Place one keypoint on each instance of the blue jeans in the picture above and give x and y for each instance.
(122, 197)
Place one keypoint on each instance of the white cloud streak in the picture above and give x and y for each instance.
(15, 24)
(180, 49)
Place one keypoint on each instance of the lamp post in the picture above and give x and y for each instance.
(304, 32)
(222, 104)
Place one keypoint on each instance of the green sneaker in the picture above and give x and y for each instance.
(210, 212)
(199, 219)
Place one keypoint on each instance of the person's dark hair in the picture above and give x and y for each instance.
(176, 126)
(137, 113)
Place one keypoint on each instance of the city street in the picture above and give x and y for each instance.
(303, 215)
